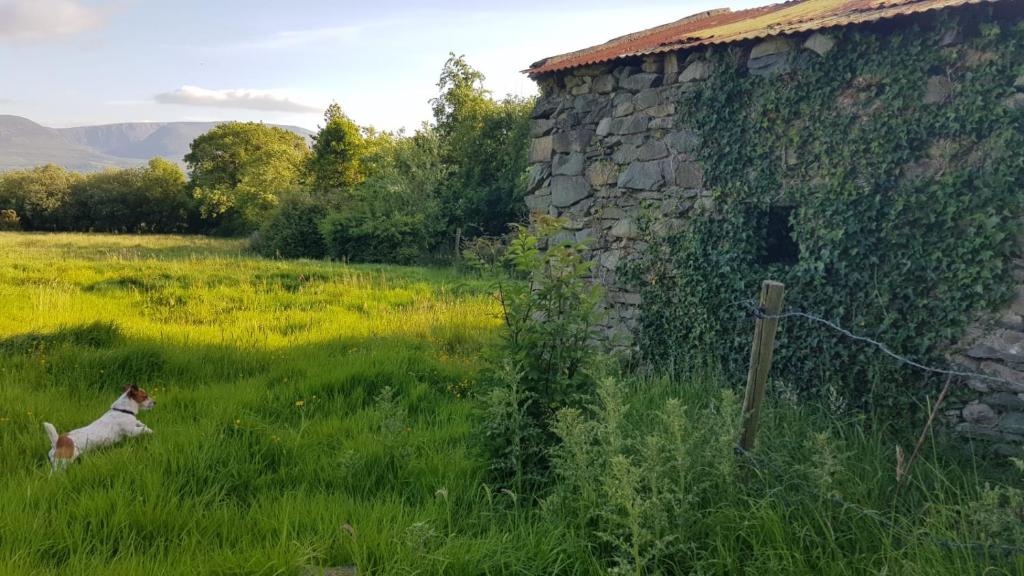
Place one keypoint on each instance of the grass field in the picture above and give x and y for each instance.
(317, 414)
(274, 425)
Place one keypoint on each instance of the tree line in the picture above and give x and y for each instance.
(356, 194)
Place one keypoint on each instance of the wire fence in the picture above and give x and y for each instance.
(762, 464)
(757, 312)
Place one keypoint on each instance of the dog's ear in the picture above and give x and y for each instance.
(130, 387)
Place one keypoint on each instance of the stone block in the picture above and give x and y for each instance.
(1012, 423)
(819, 43)
(696, 71)
(572, 140)
(634, 124)
(684, 141)
(671, 72)
(610, 259)
(605, 84)
(1004, 401)
(980, 414)
(567, 164)
(652, 150)
(689, 175)
(626, 229)
(662, 110)
(663, 123)
(540, 149)
(539, 174)
(644, 175)
(979, 432)
(938, 90)
(545, 107)
(541, 127)
(627, 153)
(602, 173)
(638, 82)
(771, 47)
(538, 202)
(624, 109)
(1012, 380)
(770, 57)
(568, 190)
(647, 99)
(652, 64)
(1014, 102)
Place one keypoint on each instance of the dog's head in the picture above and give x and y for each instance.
(139, 396)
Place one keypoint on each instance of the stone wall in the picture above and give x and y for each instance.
(610, 144)
(993, 411)
(607, 144)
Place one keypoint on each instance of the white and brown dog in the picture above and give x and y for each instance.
(120, 422)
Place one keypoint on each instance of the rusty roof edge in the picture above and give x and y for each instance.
(854, 17)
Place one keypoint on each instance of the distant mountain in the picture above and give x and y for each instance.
(25, 144)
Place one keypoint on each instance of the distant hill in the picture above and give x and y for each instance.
(25, 144)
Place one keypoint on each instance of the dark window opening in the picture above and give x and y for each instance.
(777, 243)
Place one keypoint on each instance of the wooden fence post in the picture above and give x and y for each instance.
(760, 360)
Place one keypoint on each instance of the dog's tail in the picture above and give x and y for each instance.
(51, 431)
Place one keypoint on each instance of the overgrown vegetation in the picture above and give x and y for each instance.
(151, 199)
(319, 414)
(550, 350)
(892, 163)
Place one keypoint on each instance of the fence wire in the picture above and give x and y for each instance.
(758, 312)
(762, 464)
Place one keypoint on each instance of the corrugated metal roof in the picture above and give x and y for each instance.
(724, 26)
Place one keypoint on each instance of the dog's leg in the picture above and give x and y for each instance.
(139, 429)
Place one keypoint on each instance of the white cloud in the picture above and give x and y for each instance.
(42, 19)
(265, 100)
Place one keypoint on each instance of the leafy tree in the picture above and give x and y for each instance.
(239, 170)
(394, 214)
(484, 148)
(39, 196)
(334, 167)
(150, 199)
(168, 205)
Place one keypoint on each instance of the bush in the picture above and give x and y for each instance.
(40, 196)
(365, 236)
(9, 220)
(293, 230)
(636, 481)
(551, 312)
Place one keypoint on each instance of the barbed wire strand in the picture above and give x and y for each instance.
(759, 312)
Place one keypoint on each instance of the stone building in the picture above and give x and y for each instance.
(608, 138)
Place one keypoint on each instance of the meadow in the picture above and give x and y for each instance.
(320, 414)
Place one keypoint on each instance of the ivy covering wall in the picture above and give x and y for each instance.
(894, 163)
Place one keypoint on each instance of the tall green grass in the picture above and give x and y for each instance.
(317, 414)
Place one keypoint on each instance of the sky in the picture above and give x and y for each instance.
(80, 62)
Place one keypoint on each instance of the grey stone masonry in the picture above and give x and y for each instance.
(608, 144)
(611, 148)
